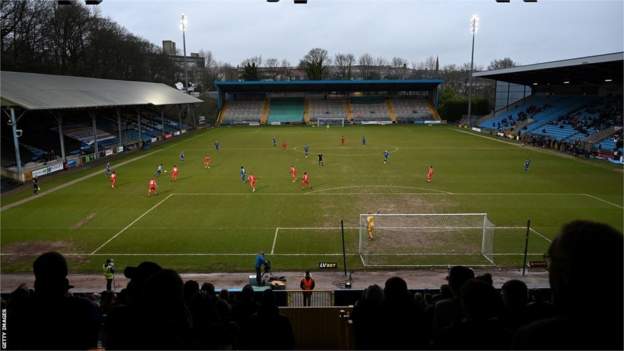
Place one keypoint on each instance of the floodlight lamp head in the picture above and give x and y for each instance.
(183, 23)
(474, 23)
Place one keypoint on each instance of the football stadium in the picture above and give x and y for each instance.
(154, 199)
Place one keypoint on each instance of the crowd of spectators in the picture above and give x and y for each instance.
(577, 148)
(157, 310)
(510, 121)
(601, 115)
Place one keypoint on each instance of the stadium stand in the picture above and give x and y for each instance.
(242, 111)
(409, 109)
(158, 310)
(369, 108)
(326, 108)
(286, 110)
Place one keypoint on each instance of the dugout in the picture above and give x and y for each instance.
(54, 122)
(298, 93)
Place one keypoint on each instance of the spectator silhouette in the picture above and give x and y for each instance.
(191, 291)
(448, 311)
(585, 265)
(245, 305)
(515, 298)
(403, 319)
(50, 318)
(164, 321)
(267, 329)
(479, 329)
(367, 313)
(123, 321)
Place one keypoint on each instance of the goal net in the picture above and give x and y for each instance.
(322, 122)
(426, 239)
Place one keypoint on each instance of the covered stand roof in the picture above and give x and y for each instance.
(326, 85)
(590, 69)
(34, 91)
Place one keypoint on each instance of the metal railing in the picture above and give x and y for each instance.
(318, 298)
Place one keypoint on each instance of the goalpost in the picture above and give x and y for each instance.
(321, 122)
(412, 240)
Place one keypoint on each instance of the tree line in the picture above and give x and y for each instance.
(43, 37)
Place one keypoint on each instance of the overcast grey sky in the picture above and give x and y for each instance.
(413, 29)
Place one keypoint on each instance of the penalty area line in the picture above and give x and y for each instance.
(131, 223)
(603, 200)
(274, 254)
(541, 235)
(274, 240)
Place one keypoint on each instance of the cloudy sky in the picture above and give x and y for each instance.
(413, 29)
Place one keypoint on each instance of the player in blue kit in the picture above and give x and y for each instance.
(527, 164)
(386, 156)
(306, 149)
(243, 174)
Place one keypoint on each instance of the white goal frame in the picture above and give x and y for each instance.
(338, 119)
(484, 225)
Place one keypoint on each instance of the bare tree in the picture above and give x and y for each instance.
(315, 63)
(366, 63)
(272, 65)
(502, 63)
(285, 70)
(344, 64)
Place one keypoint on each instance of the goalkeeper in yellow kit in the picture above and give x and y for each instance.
(370, 225)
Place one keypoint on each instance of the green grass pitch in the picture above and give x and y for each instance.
(210, 221)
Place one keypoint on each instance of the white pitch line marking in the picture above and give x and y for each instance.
(541, 235)
(603, 200)
(274, 240)
(131, 223)
(378, 186)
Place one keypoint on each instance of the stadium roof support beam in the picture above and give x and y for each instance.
(140, 129)
(95, 145)
(59, 121)
(119, 135)
(180, 118)
(162, 120)
(18, 159)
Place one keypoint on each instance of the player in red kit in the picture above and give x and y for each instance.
(429, 174)
(174, 173)
(342, 140)
(207, 161)
(152, 187)
(252, 182)
(293, 173)
(285, 146)
(305, 182)
(113, 179)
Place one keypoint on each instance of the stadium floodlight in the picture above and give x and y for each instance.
(474, 27)
(474, 23)
(566, 82)
(608, 80)
(183, 28)
(535, 83)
